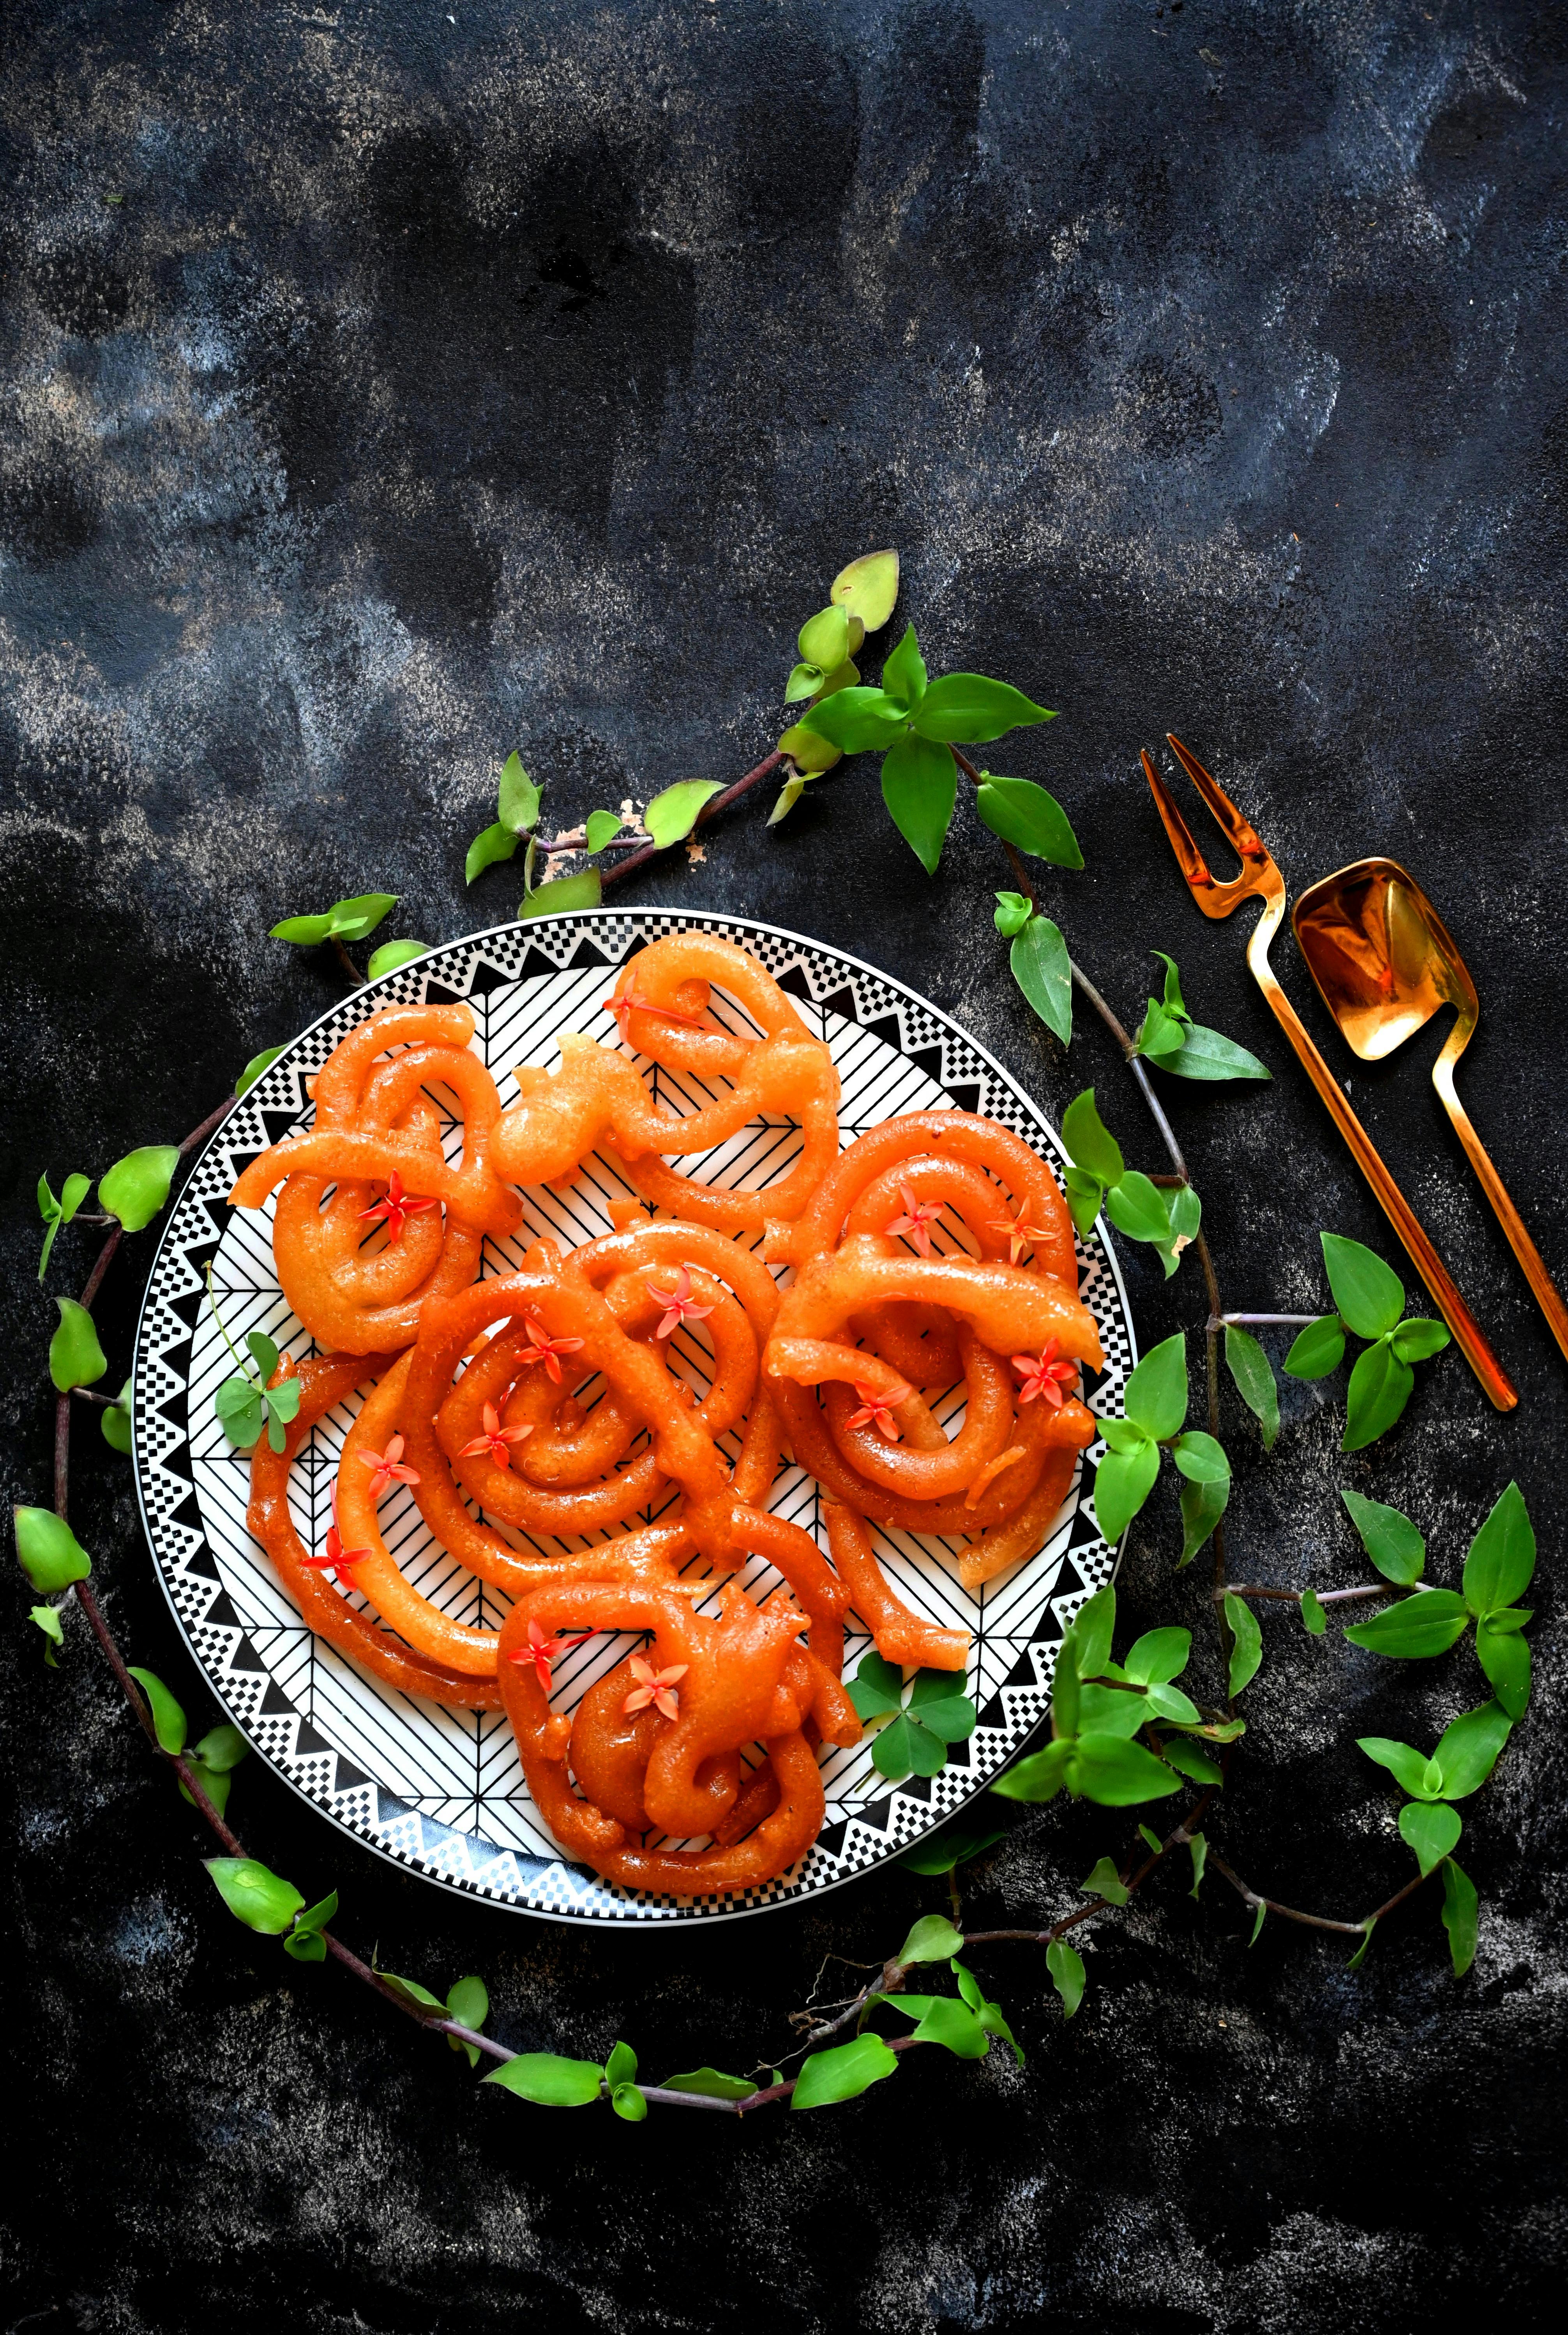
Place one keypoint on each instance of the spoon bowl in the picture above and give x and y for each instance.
(1385, 963)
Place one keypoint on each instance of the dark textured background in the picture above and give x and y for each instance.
(439, 387)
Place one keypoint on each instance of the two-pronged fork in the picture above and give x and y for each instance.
(1260, 879)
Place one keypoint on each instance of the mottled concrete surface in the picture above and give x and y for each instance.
(441, 386)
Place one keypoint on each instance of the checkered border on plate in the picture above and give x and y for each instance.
(439, 1791)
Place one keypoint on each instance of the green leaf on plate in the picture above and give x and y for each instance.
(905, 1747)
(876, 1687)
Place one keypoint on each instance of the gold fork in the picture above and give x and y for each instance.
(1261, 879)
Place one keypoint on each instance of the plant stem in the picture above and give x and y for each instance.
(711, 810)
(1294, 1596)
(1314, 1921)
(347, 963)
(1218, 1322)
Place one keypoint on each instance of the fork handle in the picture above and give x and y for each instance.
(1546, 1292)
(1467, 1333)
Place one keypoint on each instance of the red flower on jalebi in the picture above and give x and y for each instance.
(543, 1650)
(335, 1558)
(389, 1466)
(630, 1002)
(545, 1349)
(396, 1206)
(1019, 1235)
(876, 1409)
(679, 1304)
(917, 1219)
(1043, 1375)
(495, 1439)
(657, 1687)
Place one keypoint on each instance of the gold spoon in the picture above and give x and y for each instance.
(1385, 963)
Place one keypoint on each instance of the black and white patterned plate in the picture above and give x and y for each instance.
(441, 1791)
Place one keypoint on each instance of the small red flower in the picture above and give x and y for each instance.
(335, 1557)
(1019, 1235)
(495, 1439)
(876, 1409)
(543, 1650)
(545, 1349)
(394, 1208)
(1043, 1375)
(629, 1003)
(679, 1304)
(917, 1219)
(389, 1468)
(657, 1687)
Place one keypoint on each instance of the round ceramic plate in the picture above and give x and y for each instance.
(442, 1791)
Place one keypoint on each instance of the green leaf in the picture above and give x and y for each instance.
(240, 1410)
(167, 1719)
(1416, 1340)
(1201, 1459)
(57, 1212)
(1159, 1035)
(1123, 1482)
(1381, 1386)
(1067, 1974)
(549, 2080)
(1065, 1692)
(955, 2025)
(412, 1991)
(1360, 1956)
(932, 1939)
(876, 1688)
(355, 919)
(1024, 814)
(1191, 1763)
(843, 2073)
(1158, 1656)
(253, 1896)
(824, 639)
(1085, 1197)
(671, 816)
(603, 828)
(304, 932)
(1138, 1208)
(76, 1357)
(263, 1352)
(1428, 1829)
(919, 784)
(857, 721)
(811, 755)
(1157, 1393)
(1248, 1643)
(469, 2002)
(1460, 1916)
(1369, 1296)
(905, 1747)
(1207, 1055)
(305, 1943)
(1043, 971)
(1092, 1630)
(1415, 1628)
(1088, 1141)
(490, 846)
(1258, 1925)
(1012, 913)
(1314, 1621)
(1106, 1882)
(48, 1551)
(1116, 1774)
(621, 2067)
(47, 1618)
(789, 794)
(628, 2102)
(1104, 1711)
(221, 1748)
(1469, 1749)
(258, 1064)
(1202, 1507)
(1390, 1538)
(805, 681)
(517, 798)
(1420, 1776)
(711, 2084)
(318, 1916)
(868, 587)
(1200, 1856)
(559, 898)
(904, 676)
(1039, 1778)
(1318, 1349)
(1253, 1377)
(936, 1699)
(392, 954)
(1502, 1556)
(283, 1401)
(955, 1844)
(1504, 1657)
(137, 1187)
(967, 709)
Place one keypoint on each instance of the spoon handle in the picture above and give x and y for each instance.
(1547, 1295)
(1468, 1335)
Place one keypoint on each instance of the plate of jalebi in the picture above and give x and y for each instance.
(680, 1313)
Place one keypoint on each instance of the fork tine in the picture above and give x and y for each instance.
(1239, 831)
(1189, 858)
